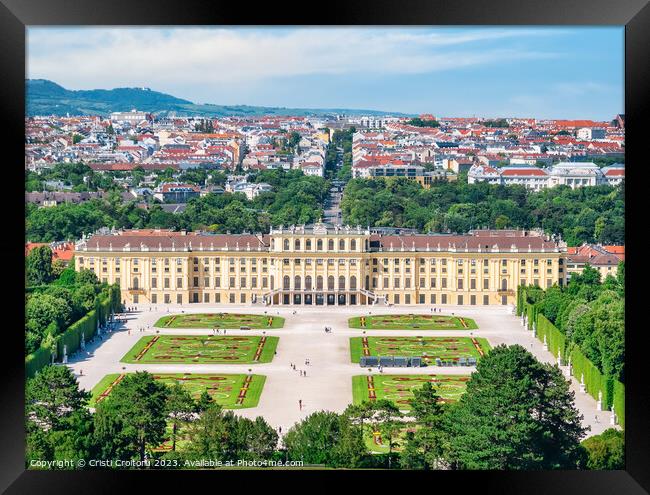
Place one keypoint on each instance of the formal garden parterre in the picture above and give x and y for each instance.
(220, 320)
(412, 322)
(399, 388)
(230, 391)
(202, 349)
(447, 349)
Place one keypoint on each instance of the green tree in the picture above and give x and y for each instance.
(39, 266)
(180, 408)
(132, 417)
(386, 419)
(208, 434)
(204, 401)
(517, 413)
(424, 446)
(58, 424)
(326, 438)
(52, 395)
(86, 276)
(67, 277)
(41, 310)
(606, 451)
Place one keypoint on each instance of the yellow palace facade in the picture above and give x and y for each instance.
(322, 265)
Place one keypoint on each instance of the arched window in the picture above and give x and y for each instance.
(353, 283)
(135, 282)
(272, 282)
(286, 282)
(367, 282)
(330, 283)
(319, 245)
(308, 245)
(330, 245)
(342, 245)
(319, 283)
(296, 245)
(504, 284)
(296, 282)
(367, 245)
(308, 282)
(286, 244)
(341, 283)
(272, 245)
(353, 245)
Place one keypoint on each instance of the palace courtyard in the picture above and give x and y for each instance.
(190, 348)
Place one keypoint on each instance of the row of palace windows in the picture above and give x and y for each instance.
(331, 243)
(206, 282)
(297, 283)
(243, 298)
(253, 261)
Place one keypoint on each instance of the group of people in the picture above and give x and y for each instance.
(141, 329)
(215, 331)
(303, 373)
(328, 329)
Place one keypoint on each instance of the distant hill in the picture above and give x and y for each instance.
(48, 98)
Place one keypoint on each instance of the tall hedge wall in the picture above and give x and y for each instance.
(38, 359)
(613, 391)
(107, 301)
(619, 401)
(554, 338)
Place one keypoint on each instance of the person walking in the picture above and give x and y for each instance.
(300, 404)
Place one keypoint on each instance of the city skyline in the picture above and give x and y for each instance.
(493, 72)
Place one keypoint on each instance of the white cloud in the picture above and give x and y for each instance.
(85, 58)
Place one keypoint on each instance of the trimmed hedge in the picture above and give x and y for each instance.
(554, 338)
(71, 338)
(38, 359)
(619, 401)
(594, 380)
(613, 391)
(108, 300)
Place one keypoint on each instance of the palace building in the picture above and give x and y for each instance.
(323, 264)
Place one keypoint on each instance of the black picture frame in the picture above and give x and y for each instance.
(15, 15)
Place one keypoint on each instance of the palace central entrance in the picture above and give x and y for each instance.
(294, 298)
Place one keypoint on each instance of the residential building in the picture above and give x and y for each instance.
(603, 258)
(171, 192)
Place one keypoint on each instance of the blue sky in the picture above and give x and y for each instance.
(542, 72)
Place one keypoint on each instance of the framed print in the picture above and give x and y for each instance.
(378, 241)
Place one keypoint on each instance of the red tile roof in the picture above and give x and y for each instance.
(64, 252)
(524, 172)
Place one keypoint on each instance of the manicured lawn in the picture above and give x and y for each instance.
(378, 445)
(219, 320)
(399, 388)
(197, 349)
(224, 389)
(429, 348)
(412, 322)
